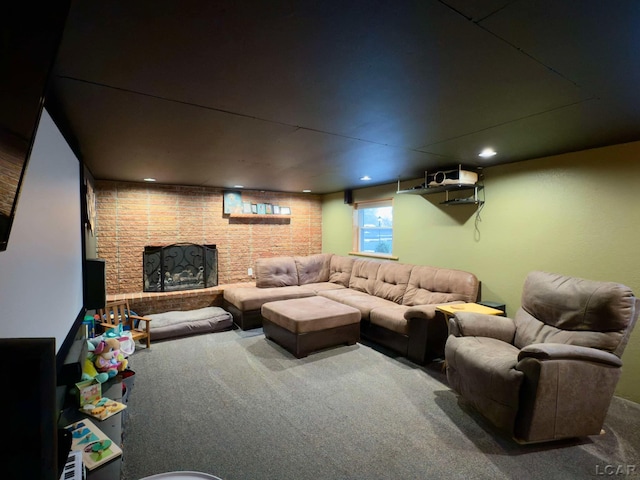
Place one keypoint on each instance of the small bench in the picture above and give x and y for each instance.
(306, 325)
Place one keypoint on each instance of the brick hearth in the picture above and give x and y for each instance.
(146, 303)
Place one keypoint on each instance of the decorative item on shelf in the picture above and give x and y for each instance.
(91, 208)
(88, 325)
(254, 208)
(262, 209)
(268, 208)
(285, 211)
(276, 209)
(232, 202)
(246, 207)
(89, 391)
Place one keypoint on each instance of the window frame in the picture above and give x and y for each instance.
(357, 229)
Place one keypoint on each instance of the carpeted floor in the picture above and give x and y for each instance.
(237, 406)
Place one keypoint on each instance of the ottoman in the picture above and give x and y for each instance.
(305, 325)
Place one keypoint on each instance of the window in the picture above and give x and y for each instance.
(373, 227)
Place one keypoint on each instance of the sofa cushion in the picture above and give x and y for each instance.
(428, 285)
(391, 281)
(276, 272)
(363, 275)
(252, 298)
(530, 330)
(354, 298)
(313, 268)
(317, 287)
(178, 323)
(391, 317)
(340, 269)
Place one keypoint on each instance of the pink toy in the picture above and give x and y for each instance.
(109, 359)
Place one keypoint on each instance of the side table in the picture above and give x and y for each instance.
(450, 310)
(498, 305)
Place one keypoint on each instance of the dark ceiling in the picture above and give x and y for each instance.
(293, 95)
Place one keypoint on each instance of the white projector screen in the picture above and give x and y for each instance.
(41, 270)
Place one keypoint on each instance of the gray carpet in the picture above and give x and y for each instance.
(237, 406)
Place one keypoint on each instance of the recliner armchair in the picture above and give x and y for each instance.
(551, 371)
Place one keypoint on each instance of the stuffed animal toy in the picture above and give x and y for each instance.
(89, 372)
(108, 357)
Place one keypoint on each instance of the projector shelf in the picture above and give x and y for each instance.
(439, 189)
(462, 201)
(449, 187)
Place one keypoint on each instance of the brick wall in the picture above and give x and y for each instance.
(10, 171)
(131, 216)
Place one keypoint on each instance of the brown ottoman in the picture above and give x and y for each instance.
(305, 325)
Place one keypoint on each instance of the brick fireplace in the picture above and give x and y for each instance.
(131, 216)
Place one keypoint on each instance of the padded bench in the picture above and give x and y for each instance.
(189, 322)
(305, 325)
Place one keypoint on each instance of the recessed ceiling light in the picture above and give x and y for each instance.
(306, 191)
(238, 186)
(365, 178)
(487, 153)
(149, 179)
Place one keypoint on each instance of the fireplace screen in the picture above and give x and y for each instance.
(183, 266)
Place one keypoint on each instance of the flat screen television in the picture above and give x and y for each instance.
(30, 33)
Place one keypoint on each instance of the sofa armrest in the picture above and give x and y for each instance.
(470, 324)
(561, 351)
(425, 312)
(566, 391)
(427, 333)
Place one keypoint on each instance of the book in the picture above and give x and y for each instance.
(102, 408)
(95, 446)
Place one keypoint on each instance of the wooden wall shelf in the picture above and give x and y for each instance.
(258, 215)
(259, 218)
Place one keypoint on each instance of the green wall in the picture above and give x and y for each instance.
(575, 214)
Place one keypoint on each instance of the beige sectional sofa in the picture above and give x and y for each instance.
(397, 301)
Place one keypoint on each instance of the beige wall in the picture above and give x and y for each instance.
(575, 214)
